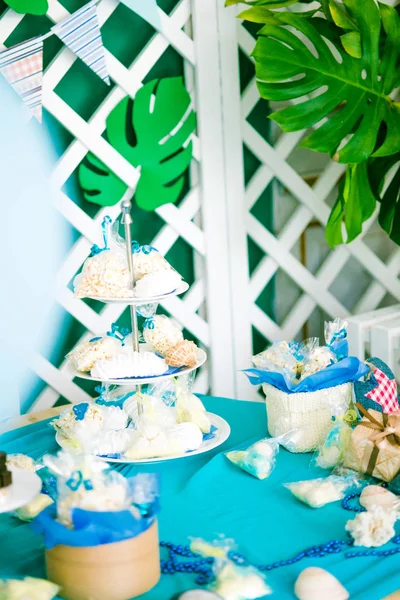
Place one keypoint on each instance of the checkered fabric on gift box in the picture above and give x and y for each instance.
(371, 393)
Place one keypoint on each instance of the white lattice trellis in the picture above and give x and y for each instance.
(216, 215)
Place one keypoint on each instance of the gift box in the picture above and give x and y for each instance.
(375, 445)
(306, 417)
(114, 571)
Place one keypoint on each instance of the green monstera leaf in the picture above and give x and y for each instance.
(152, 132)
(29, 7)
(384, 176)
(351, 96)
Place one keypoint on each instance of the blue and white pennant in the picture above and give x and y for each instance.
(81, 33)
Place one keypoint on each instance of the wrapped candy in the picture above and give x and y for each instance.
(334, 449)
(33, 508)
(85, 482)
(336, 337)
(84, 357)
(147, 259)
(29, 588)
(232, 582)
(319, 358)
(278, 357)
(154, 441)
(258, 459)
(161, 333)
(158, 283)
(318, 492)
(189, 408)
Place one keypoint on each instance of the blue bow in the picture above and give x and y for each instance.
(105, 229)
(80, 410)
(149, 323)
(76, 480)
(136, 248)
(339, 349)
(100, 389)
(295, 349)
(118, 333)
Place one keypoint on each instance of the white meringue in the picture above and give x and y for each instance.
(163, 334)
(114, 418)
(85, 355)
(372, 528)
(151, 443)
(129, 364)
(187, 435)
(113, 442)
(155, 284)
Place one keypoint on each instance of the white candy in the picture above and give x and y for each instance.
(113, 442)
(318, 492)
(151, 443)
(164, 335)
(155, 284)
(104, 275)
(114, 418)
(84, 357)
(235, 583)
(190, 409)
(316, 584)
(129, 364)
(372, 528)
(376, 495)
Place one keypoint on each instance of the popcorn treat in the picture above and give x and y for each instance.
(278, 357)
(372, 528)
(318, 492)
(21, 461)
(184, 354)
(161, 333)
(85, 482)
(33, 508)
(147, 259)
(84, 357)
(155, 284)
(333, 450)
(69, 419)
(129, 364)
(105, 275)
(318, 359)
(240, 583)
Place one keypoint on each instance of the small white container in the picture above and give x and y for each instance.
(309, 414)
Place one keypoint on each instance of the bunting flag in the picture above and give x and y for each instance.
(81, 33)
(22, 67)
(147, 9)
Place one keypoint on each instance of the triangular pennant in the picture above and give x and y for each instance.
(385, 393)
(147, 9)
(22, 67)
(81, 33)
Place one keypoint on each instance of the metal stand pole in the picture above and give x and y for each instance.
(126, 206)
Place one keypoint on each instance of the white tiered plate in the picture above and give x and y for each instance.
(148, 300)
(25, 486)
(142, 380)
(220, 436)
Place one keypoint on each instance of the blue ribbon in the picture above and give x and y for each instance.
(295, 349)
(136, 248)
(118, 333)
(80, 410)
(100, 389)
(95, 339)
(338, 346)
(104, 227)
(149, 323)
(76, 480)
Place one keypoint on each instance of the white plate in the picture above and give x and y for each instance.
(220, 436)
(25, 486)
(142, 380)
(148, 300)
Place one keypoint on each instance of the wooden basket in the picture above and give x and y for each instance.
(117, 571)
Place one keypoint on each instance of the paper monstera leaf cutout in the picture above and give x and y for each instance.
(29, 7)
(152, 131)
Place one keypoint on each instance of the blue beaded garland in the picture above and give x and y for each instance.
(346, 503)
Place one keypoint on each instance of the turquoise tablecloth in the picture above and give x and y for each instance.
(206, 495)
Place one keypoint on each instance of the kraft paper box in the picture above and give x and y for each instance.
(115, 571)
(375, 445)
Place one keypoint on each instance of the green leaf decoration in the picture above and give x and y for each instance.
(351, 42)
(390, 22)
(267, 3)
(340, 17)
(355, 204)
(258, 14)
(29, 7)
(389, 196)
(352, 95)
(152, 132)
